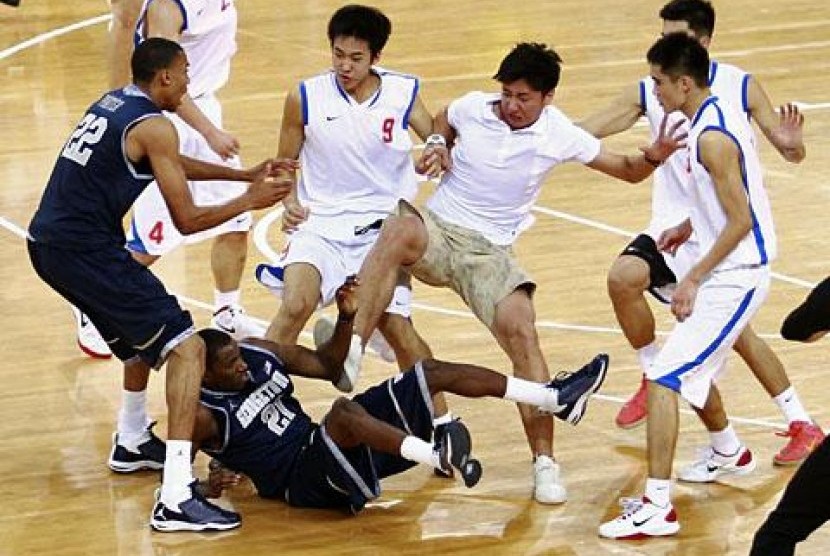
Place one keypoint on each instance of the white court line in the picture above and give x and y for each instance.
(43, 37)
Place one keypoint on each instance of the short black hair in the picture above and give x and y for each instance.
(678, 54)
(534, 62)
(215, 341)
(699, 14)
(361, 22)
(151, 56)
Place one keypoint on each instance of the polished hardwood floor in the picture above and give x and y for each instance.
(57, 407)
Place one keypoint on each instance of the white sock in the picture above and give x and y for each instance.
(725, 442)
(221, 299)
(647, 355)
(531, 393)
(415, 449)
(442, 420)
(659, 491)
(132, 417)
(178, 473)
(790, 405)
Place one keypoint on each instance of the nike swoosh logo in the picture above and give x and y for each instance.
(330, 118)
(643, 522)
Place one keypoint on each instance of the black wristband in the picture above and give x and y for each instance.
(651, 162)
(344, 318)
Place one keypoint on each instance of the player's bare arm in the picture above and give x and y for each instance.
(292, 137)
(436, 155)
(635, 168)
(783, 128)
(326, 362)
(165, 19)
(156, 138)
(721, 157)
(621, 114)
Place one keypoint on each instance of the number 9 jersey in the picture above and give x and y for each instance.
(94, 183)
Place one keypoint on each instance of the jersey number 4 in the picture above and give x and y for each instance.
(87, 134)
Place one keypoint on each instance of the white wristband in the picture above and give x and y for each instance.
(436, 139)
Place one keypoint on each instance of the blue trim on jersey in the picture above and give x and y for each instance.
(405, 122)
(745, 95)
(643, 107)
(706, 103)
(135, 244)
(340, 89)
(756, 226)
(129, 163)
(672, 380)
(304, 102)
(713, 70)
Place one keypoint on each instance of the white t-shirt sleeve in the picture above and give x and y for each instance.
(576, 144)
(462, 108)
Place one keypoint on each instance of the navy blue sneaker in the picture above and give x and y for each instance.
(437, 435)
(574, 389)
(194, 514)
(149, 454)
(454, 446)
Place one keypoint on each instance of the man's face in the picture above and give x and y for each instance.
(670, 27)
(670, 93)
(175, 80)
(521, 105)
(352, 61)
(228, 372)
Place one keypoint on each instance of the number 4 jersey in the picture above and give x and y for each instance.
(262, 428)
(94, 183)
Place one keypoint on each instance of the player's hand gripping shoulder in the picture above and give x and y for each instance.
(666, 143)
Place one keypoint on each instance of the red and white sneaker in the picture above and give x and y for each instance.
(635, 410)
(641, 519)
(804, 438)
(89, 339)
(710, 465)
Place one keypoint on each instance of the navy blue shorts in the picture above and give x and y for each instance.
(126, 302)
(327, 476)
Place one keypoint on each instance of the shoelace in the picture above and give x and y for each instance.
(630, 506)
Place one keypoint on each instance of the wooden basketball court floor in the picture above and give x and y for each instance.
(58, 408)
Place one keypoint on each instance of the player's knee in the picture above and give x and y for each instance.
(403, 237)
(627, 276)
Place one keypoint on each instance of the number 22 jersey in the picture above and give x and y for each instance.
(94, 183)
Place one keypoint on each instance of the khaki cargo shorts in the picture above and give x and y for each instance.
(481, 272)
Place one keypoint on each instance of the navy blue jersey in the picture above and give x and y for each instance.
(263, 428)
(93, 183)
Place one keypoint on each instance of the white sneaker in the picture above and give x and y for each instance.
(323, 330)
(235, 321)
(641, 518)
(712, 465)
(547, 486)
(379, 345)
(89, 339)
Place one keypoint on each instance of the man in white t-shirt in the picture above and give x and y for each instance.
(503, 146)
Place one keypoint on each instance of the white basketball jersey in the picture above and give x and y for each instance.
(668, 206)
(208, 38)
(497, 172)
(356, 159)
(707, 215)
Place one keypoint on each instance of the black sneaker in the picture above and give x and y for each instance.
(454, 446)
(194, 514)
(437, 437)
(575, 388)
(150, 454)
